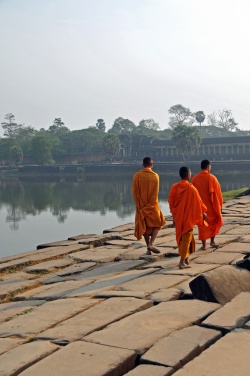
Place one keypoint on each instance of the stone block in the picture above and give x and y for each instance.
(220, 285)
(8, 310)
(49, 266)
(44, 317)
(165, 295)
(149, 370)
(226, 357)
(141, 330)
(217, 258)
(152, 283)
(95, 318)
(7, 344)
(14, 361)
(194, 269)
(232, 315)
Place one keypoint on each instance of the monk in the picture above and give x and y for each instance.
(210, 192)
(187, 210)
(148, 216)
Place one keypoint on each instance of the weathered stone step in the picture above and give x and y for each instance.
(141, 330)
(95, 318)
(227, 357)
(82, 358)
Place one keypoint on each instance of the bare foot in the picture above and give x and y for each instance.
(183, 266)
(186, 261)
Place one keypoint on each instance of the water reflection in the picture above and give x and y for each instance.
(34, 195)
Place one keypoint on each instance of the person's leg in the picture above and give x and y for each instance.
(185, 249)
(212, 242)
(152, 238)
(204, 245)
(146, 238)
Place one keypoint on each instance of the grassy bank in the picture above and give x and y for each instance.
(229, 195)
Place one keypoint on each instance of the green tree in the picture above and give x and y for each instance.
(10, 127)
(58, 128)
(200, 117)
(180, 115)
(226, 120)
(100, 124)
(186, 140)
(41, 150)
(147, 126)
(111, 145)
(122, 126)
(16, 154)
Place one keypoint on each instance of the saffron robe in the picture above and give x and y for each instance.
(210, 192)
(186, 245)
(186, 207)
(145, 189)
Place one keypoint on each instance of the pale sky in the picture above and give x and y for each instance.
(82, 60)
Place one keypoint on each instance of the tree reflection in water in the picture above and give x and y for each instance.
(103, 193)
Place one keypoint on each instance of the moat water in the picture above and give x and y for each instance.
(36, 210)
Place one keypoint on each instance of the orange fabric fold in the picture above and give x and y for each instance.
(145, 189)
(186, 207)
(187, 244)
(210, 192)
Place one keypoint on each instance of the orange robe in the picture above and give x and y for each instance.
(186, 207)
(210, 192)
(145, 189)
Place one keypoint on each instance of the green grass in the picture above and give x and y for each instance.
(229, 195)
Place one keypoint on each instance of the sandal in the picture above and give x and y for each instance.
(153, 249)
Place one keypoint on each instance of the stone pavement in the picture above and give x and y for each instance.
(97, 305)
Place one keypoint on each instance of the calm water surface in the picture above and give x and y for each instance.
(36, 210)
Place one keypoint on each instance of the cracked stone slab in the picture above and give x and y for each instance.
(217, 258)
(119, 243)
(152, 283)
(45, 254)
(95, 318)
(97, 360)
(220, 285)
(163, 264)
(59, 243)
(245, 239)
(121, 228)
(192, 271)
(149, 370)
(76, 269)
(141, 330)
(236, 247)
(54, 291)
(7, 344)
(232, 315)
(21, 357)
(8, 310)
(18, 276)
(9, 289)
(118, 294)
(44, 317)
(99, 254)
(180, 347)
(111, 282)
(110, 268)
(244, 229)
(49, 266)
(165, 295)
(228, 356)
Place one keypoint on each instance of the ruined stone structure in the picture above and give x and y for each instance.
(222, 148)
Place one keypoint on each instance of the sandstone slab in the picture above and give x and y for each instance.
(99, 254)
(227, 356)
(149, 370)
(118, 294)
(141, 330)
(76, 269)
(165, 295)
(234, 314)
(81, 358)
(217, 258)
(8, 310)
(220, 285)
(7, 344)
(152, 283)
(192, 271)
(49, 266)
(10, 289)
(111, 282)
(127, 227)
(236, 247)
(54, 291)
(110, 268)
(95, 318)
(19, 358)
(44, 317)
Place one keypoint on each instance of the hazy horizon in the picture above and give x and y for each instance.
(81, 60)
